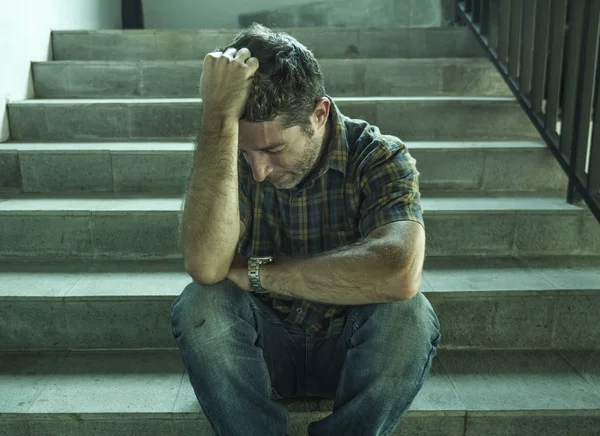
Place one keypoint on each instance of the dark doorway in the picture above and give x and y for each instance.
(132, 14)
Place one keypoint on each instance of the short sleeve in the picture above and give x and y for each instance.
(389, 188)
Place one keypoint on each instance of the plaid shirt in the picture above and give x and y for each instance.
(364, 180)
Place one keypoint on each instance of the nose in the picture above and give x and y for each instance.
(261, 168)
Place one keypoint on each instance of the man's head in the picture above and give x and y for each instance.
(284, 124)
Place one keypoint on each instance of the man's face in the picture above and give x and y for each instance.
(282, 157)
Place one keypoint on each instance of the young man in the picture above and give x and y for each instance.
(303, 232)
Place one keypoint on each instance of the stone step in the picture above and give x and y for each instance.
(409, 118)
(481, 302)
(343, 77)
(165, 167)
(474, 393)
(337, 43)
(127, 226)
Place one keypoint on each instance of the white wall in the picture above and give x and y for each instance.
(205, 14)
(25, 27)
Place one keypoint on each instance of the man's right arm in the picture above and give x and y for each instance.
(211, 225)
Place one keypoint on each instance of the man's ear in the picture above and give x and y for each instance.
(321, 113)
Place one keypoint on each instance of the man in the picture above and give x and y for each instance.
(303, 232)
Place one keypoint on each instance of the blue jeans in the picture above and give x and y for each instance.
(240, 355)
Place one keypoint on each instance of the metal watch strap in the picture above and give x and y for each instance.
(254, 273)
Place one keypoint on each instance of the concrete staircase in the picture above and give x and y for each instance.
(91, 188)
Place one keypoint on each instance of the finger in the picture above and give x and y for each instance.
(230, 52)
(242, 55)
(214, 54)
(253, 64)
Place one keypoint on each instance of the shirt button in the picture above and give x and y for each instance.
(299, 310)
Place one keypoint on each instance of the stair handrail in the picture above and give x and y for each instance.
(547, 52)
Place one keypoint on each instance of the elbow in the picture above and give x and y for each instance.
(407, 283)
(203, 275)
(405, 290)
(409, 289)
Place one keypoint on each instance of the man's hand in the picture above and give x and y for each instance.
(225, 82)
(238, 272)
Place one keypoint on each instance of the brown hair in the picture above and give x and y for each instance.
(288, 82)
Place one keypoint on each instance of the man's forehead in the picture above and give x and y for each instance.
(263, 135)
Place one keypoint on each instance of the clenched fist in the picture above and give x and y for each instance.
(225, 82)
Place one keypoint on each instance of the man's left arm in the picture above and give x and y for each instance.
(383, 267)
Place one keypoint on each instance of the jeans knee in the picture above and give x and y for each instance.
(419, 310)
(201, 302)
(416, 332)
(410, 324)
(184, 301)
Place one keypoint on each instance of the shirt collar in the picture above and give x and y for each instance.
(337, 149)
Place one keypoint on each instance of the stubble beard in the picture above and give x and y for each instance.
(303, 165)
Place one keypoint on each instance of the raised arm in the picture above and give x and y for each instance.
(211, 225)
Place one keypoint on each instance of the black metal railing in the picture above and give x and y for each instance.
(547, 52)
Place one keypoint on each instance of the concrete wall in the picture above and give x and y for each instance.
(229, 14)
(25, 27)
(205, 14)
(353, 14)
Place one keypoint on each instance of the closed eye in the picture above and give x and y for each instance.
(272, 151)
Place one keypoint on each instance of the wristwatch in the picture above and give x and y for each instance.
(254, 273)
